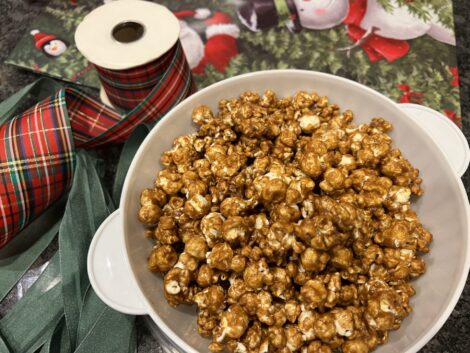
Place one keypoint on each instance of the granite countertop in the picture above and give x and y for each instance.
(454, 337)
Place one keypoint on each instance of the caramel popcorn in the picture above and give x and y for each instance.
(287, 225)
(162, 258)
(149, 214)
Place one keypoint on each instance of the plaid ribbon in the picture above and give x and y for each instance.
(127, 88)
(37, 147)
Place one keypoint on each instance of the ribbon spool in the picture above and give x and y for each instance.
(141, 64)
(134, 47)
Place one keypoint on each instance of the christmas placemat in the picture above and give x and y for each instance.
(404, 49)
(49, 48)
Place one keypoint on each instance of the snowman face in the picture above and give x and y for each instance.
(321, 14)
(55, 47)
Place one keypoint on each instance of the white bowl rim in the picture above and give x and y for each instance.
(463, 275)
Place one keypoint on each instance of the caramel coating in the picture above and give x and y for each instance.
(313, 294)
(211, 299)
(196, 247)
(149, 214)
(287, 225)
(197, 206)
(162, 258)
(220, 257)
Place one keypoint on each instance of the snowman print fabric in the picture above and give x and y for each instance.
(404, 49)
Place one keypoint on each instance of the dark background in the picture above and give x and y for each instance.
(454, 337)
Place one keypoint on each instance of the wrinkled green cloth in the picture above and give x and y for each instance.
(61, 313)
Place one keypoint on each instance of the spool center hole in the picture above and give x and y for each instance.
(128, 32)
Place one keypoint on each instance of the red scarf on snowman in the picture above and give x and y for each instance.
(375, 46)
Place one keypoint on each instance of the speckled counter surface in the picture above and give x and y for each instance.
(454, 337)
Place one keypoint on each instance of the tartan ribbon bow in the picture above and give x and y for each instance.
(37, 147)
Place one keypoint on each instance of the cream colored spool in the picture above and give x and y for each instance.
(95, 40)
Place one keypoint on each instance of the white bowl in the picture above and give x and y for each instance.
(443, 209)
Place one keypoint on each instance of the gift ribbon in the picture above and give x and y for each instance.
(38, 147)
(128, 88)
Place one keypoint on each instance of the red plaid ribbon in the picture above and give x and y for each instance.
(37, 148)
(127, 88)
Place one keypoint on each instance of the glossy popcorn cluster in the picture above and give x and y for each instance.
(289, 227)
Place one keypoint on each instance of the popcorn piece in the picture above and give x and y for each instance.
(149, 214)
(254, 274)
(293, 337)
(238, 263)
(169, 182)
(233, 206)
(313, 293)
(176, 286)
(341, 257)
(153, 197)
(306, 324)
(197, 206)
(205, 276)
(220, 257)
(211, 299)
(355, 346)
(166, 232)
(309, 123)
(162, 258)
(344, 322)
(196, 247)
(325, 328)
(317, 347)
(202, 115)
(310, 164)
(334, 179)
(233, 323)
(211, 227)
(254, 336)
(187, 262)
(314, 260)
(234, 230)
(271, 188)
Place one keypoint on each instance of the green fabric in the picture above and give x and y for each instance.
(59, 341)
(90, 312)
(98, 319)
(38, 90)
(3, 347)
(90, 205)
(32, 320)
(13, 268)
(61, 313)
(130, 148)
